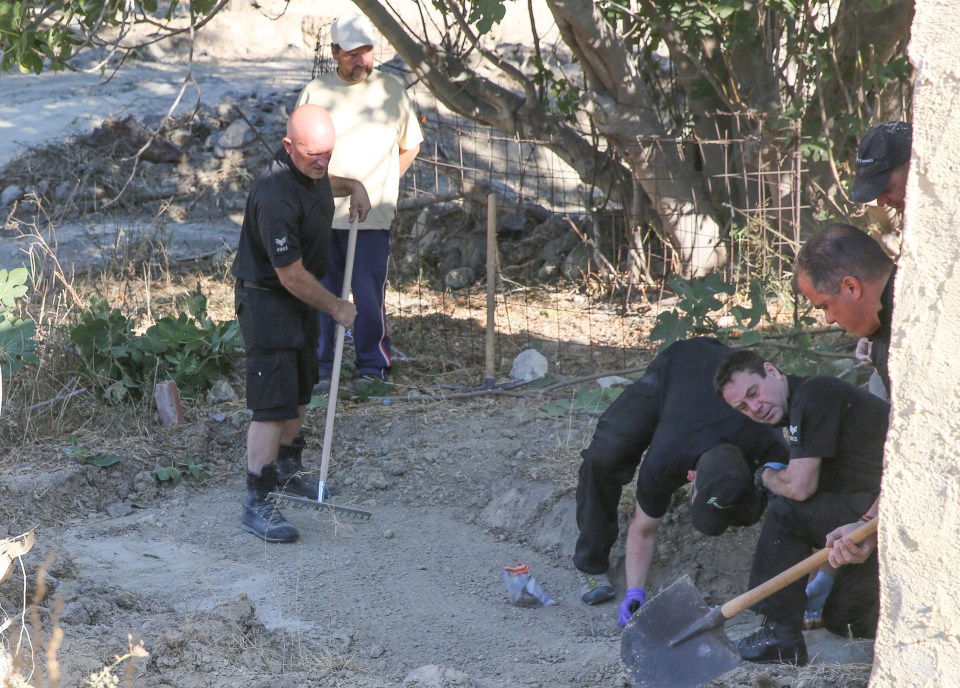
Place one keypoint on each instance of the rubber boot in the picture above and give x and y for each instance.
(292, 479)
(261, 516)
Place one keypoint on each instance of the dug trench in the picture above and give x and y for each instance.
(414, 596)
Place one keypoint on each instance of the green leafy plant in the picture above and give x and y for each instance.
(17, 335)
(81, 453)
(39, 33)
(317, 401)
(189, 349)
(486, 13)
(167, 474)
(197, 470)
(174, 473)
(372, 389)
(699, 306)
(808, 355)
(559, 93)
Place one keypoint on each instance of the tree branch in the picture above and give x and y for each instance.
(486, 102)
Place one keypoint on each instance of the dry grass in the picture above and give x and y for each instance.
(32, 636)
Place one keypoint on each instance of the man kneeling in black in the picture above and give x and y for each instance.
(673, 420)
(836, 434)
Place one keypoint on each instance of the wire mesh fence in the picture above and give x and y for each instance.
(566, 279)
(580, 276)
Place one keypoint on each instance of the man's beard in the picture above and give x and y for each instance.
(358, 74)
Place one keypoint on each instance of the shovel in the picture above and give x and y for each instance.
(320, 503)
(676, 641)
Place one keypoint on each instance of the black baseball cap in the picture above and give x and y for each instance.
(882, 150)
(725, 494)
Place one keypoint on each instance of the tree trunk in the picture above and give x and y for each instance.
(618, 112)
(619, 104)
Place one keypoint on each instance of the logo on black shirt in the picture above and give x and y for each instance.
(794, 431)
(281, 244)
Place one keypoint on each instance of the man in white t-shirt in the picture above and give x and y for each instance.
(378, 138)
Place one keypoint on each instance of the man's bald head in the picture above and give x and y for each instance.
(310, 140)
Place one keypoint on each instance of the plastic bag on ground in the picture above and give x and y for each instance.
(523, 589)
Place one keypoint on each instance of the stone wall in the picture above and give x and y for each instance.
(920, 512)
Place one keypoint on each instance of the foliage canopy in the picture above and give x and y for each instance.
(606, 86)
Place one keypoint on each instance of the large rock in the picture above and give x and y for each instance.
(515, 506)
(577, 263)
(557, 528)
(235, 136)
(220, 392)
(458, 278)
(558, 247)
(529, 365)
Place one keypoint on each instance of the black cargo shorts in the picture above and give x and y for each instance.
(280, 335)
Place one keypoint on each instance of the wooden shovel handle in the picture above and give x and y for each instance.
(795, 572)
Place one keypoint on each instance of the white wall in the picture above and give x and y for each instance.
(918, 643)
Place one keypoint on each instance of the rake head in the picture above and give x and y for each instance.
(281, 499)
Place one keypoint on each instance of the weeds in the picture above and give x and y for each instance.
(105, 678)
(22, 636)
(189, 349)
(81, 453)
(173, 474)
(699, 311)
(17, 335)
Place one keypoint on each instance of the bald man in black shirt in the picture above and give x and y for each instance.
(278, 267)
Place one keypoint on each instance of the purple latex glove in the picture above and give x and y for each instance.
(632, 602)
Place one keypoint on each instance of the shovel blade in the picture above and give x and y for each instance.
(650, 661)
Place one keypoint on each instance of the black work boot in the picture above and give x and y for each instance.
(774, 643)
(261, 516)
(292, 479)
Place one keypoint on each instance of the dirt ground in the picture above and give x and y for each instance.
(458, 488)
(412, 596)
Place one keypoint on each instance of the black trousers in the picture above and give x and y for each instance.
(791, 531)
(623, 433)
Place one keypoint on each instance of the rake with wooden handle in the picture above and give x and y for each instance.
(321, 502)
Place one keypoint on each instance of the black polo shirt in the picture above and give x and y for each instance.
(693, 419)
(880, 351)
(288, 217)
(843, 425)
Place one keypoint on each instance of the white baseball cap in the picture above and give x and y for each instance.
(351, 32)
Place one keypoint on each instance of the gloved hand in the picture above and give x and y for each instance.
(632, 602)
(775, 465)
(818, 590)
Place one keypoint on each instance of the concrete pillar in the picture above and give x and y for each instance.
(919, 637)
